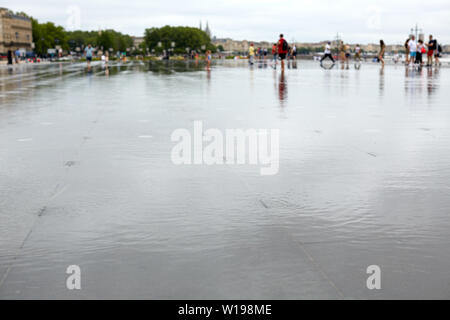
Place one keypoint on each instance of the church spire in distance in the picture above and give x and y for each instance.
(207, 30)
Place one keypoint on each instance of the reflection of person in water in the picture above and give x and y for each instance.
(432, 79)
(294, 64)
(282, 88)
(382, 80)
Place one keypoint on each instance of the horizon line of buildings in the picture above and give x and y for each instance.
(231, 45)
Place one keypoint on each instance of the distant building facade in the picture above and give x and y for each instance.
(137, 41)
(15, 32)
(241, 46)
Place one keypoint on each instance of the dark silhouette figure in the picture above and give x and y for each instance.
(10, 57)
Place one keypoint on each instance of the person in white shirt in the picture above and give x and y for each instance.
(412, 45)
(327, 53)
(420, 51)
(294, 52)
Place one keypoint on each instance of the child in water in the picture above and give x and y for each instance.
(208, 60)
(420, 51)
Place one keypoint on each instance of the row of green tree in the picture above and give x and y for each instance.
(105, 39)
(179, 39)
(48, 35)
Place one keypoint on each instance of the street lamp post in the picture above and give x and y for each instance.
(172, 44)
(416, 31)
(159, 45)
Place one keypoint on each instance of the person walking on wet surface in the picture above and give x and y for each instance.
(208, 60)
(251, 54)
(105, 60)
(420, 52)
(10, 57)
(382, 52)
(294, 52)
(89, 51)
(437, 50)
(327, 53)
(275, 54)
(17, 56)
(407, 53)
(412, 45)
(347, 53)
(432, 47)
(283, 48)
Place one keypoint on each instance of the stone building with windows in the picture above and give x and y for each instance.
(137, 41)
(15, 32)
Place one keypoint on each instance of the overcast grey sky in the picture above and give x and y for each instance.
(302, 20)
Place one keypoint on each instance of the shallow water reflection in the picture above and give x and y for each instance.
(86, 178)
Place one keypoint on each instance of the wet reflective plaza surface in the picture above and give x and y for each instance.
(86, 178)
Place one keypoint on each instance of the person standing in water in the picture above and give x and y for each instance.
(432, 47)
(419, 54)
(412, 45)
(275, 54)
(10, 57)
(251, 54)
(381, 53)
(105, 60)
(347, 53)
(283, 48)
(294, 52)
(88, 51)
(407, 53)
(208, 60)
(327, 53)
(17, 56)
(342, 51)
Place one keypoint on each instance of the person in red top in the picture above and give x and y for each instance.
(282, 50)
(275, 53)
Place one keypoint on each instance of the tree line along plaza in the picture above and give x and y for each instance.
(24, 36)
